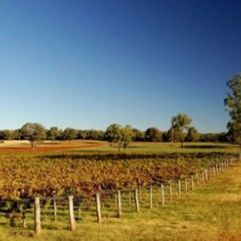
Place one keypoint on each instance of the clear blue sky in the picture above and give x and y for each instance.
(87, 64)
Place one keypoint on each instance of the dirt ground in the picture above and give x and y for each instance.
(47, 146)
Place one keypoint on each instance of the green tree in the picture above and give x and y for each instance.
(53, 133)
(153, 134)
(33, 132)
(119, 135)
(233, 106)
(69, 134)
(180, 125)
(138, 135)
(192, 134)
(7, 135)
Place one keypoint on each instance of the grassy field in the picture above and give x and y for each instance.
(211, 212)
(83, 146)
(155, 148)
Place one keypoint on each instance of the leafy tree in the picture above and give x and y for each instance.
(33, 132)
(53, 133)
(17, 134)
(153, 134)
(180, 125)
(119, 135)
(94, 134)
(214, 137)
(113, 133)
(165, 136)
(192, 135)
(174, 134)
(233, 106)
(7, 135)
(138, 135)
(69, 134)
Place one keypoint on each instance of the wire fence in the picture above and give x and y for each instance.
(38, 212)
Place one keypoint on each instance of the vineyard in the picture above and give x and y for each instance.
(24, 176)
(77, 186)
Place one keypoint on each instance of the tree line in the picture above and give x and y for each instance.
(121, 136)
(116, 134)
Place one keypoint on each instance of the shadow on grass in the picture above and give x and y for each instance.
(206, 146)
(129, 156)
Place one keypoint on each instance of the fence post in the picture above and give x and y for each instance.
(203, 176)
(37, 216)
(227, 164)
(118, 204)
(55, 209)
(130, 197)
(150, 197)
(170, 190)
(197, 178)
(140, 192)
(72, 224)
(179, 187)
(24, 219)
(98, 207)
(192, 183)
(162, 194)
(186, 189)
(206, 175)
(137, 200)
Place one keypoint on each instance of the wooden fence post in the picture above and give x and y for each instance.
(55, 209)
(140, 192)
(24, 219)
(197, 178)
(130, 197)
(203, 176)
(137, 200)
(150, 197)
(186, 188)
(227, 163)
(179, 187)
(72, 224)
(192, 183)
(98, 207)
(162, 194)
(119, 204)
(170, 190)
(37, 216)
(206, 175)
